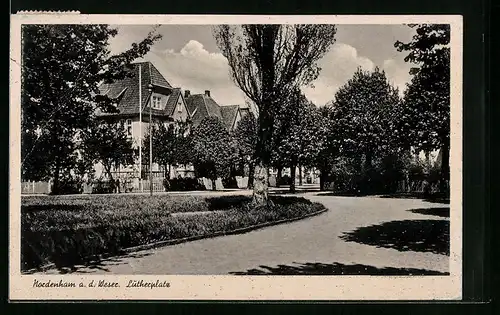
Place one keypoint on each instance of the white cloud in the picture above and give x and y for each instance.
(397, 74)
(196, 69)
(339, 65)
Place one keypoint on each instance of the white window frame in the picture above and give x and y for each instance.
(129, 127)
(156, 102)
(179, 107)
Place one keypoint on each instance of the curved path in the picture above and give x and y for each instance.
(313, 240)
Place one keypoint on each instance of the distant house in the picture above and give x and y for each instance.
(203, 105)
(145, 92)
(166, 103)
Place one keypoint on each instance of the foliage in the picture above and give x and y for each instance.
(62, 66)
(214, 149)
(69, 231)
(182, 184)
(268, 62)
(301, 133)
(107, 143)
(172, 144)
(425, 117)
(362, 115)
(424, 120)
(245, 135)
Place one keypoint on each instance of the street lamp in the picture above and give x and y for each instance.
(150, 90)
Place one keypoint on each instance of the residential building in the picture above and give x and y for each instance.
(146, 93)
(142, 96)
(203, 105)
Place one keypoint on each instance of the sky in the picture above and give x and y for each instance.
(188, 57)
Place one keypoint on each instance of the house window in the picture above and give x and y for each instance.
(156, 102)
(129, 127)
(179, 107)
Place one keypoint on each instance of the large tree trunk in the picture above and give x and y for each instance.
(322, 179)
(445, 166)
(107, 168)
(260, 188)
(300, 175)
(214, 187)
(279, 175)
(251, 171)
(56, 186)
(293, 167)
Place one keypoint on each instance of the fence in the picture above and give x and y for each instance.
(420, 186)
(412, 186)
(29, 188)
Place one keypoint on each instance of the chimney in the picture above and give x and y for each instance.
(207, 93)
(187, 93)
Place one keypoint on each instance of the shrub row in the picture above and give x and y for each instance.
(69, 231)
(183, 184)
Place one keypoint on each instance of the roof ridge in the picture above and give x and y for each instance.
(150, 74)
(169, 86)
(205, 103)
(173, 107)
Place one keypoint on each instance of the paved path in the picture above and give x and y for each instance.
(312, 240)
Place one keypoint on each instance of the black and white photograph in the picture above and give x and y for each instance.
(148, 150)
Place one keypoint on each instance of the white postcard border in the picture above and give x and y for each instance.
(241, 287)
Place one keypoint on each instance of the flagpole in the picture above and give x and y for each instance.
(150, 90)
(140, 128)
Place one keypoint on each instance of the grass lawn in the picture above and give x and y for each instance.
(69, 230)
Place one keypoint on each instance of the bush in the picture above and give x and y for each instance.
(230, 182)
(74, 230)
(183, 184)
(284, 180)
(68, 186)
(103, 187)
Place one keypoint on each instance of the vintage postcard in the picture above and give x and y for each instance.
(161, 157)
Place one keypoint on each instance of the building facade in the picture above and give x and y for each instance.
(145, 97)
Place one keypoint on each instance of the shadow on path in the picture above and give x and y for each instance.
(438, 212)
(436, 198)
(98, 264)
(407, 235)
(336, 269)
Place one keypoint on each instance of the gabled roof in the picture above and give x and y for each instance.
(201, 106)
(172, 101)
(126, 91)
(229, 113)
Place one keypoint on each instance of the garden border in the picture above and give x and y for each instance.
(190, 239)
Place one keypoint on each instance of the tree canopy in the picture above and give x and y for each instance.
(363, 112)
(108, 144)
(214, 149)
(62, 67)
(268, 62)
(424, 120)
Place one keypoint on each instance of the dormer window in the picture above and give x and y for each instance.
(156, 102)
(179, 107)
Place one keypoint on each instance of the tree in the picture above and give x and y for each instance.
(425, 116)
(268, 62)
(62, 66)
(331, 150)
(108, 144)
(245, 136)
(302, 135)
(163, 146)
(363, 117)
(172, 145)
(214, 149)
